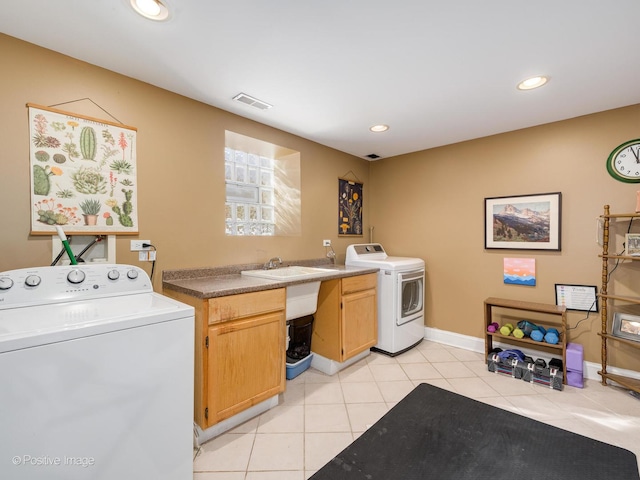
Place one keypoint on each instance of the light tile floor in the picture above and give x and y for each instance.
(319, 415)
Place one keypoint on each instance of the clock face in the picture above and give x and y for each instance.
(624, 162)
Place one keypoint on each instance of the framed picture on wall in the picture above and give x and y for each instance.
(626, 326)
(632, 241)
(83, 174)
(523, 222)
(349, 207)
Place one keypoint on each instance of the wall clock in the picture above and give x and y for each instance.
(623, 163)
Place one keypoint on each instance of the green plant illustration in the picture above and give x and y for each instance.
(70, 148)
(107, 153)
(125, 212)
(64, 193)
(90, 206)
(59, 158)
(41, 156)
(41, 182)
(121, 166)
(89, 181)
(126, 182)
(108, 138)
(45, 141)
(130, 137)
(107, 147)
(88, 144)
(58, 126)
(47, 213)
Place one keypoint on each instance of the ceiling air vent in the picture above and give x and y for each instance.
(254, 102)
(372, 156)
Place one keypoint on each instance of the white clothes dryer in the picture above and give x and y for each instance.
(400, 296)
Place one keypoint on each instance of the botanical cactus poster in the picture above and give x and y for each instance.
(83, 174)
(349, 207)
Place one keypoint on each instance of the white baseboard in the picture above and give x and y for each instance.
(202, 436)
(590, 369)
(331, 367)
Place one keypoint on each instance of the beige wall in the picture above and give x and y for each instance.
(427, 204)
(430, 204)
(180, 166)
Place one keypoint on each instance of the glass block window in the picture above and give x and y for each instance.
(262, 186)
(250, 200)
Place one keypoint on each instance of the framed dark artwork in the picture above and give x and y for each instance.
(523, 222)
(349, 207)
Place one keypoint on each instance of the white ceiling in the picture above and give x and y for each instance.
(436, 71)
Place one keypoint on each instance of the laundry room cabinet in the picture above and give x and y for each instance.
(346, 319)
(239, 352)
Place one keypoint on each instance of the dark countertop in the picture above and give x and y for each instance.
(221, 281)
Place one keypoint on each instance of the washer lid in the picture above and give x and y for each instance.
(43, 324)
(389, 263)
(373, 255)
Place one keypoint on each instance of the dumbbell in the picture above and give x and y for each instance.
(506, 329)
(538, 335)
(552, 336)
(493, 327)
(518, 333)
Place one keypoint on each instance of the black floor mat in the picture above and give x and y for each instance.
(436, 434)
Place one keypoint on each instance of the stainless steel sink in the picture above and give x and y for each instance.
(295, 272)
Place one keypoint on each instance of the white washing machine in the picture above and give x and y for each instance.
(97, 376)
(400, 296)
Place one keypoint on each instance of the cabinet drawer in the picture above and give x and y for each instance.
(358, 283)
(232, 307)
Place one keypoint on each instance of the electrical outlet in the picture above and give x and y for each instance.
(136, 245)
(147, 256)
(326, 243)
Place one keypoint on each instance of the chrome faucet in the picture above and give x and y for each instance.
(275, 262)
(331, 254)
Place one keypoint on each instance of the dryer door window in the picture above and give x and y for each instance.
(411, 296)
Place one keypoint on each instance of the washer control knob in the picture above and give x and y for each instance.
(132, 274)
(76, 276)
(113, 274)
(5, 283)
(32, 281)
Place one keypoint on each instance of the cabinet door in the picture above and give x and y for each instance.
(246, 364)
(359, 322)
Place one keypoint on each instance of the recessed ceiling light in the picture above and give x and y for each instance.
(151, 9)
(533, 82)
(379, 128)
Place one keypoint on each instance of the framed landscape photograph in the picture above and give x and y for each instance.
(523, 222)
